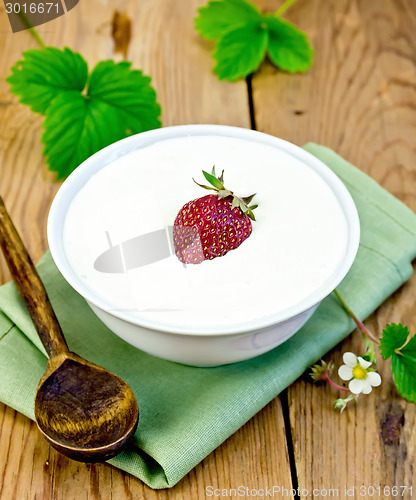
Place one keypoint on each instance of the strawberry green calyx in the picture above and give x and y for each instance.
(217, 185)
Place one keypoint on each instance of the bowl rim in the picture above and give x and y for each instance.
(99, 160)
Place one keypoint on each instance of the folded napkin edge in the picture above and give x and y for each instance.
(378, 192)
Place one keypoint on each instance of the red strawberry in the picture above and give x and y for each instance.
(211, 226)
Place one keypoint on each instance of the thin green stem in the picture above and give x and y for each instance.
(32, 30)
(363, 329)
(283, 8)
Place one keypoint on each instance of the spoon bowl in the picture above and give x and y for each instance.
(84, 411)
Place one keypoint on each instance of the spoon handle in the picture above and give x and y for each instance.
(30, 286)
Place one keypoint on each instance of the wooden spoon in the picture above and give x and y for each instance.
(84, 411)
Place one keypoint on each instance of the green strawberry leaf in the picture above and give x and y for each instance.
(219, 17)
(44, 74)
(240, 51)
(289, 48)
(244, 37)
(393, 338)
(83, 115)
(395, 343)
(403, 368)
(74, 129)
(409, 350)
(129, 94)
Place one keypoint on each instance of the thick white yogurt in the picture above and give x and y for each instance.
(298, 241)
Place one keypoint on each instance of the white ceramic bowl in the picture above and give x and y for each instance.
(199, 346)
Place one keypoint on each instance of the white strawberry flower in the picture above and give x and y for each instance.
(357, 370)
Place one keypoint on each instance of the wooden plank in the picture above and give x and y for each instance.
(359, 99)
(254, 457)
(165, 45)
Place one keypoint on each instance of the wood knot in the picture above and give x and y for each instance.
(391, 427)
(121, 33)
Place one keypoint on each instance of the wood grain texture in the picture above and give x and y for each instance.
(30, 286)
(254, 456)
(101, 412)
(164, 45)
(360, 100)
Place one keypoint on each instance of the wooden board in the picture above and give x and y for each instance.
(359, 99)
(188, 92)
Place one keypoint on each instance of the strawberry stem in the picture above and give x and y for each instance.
(283, 8)
(31, 29)
(363, 329)
(223, 192)
(334, 384)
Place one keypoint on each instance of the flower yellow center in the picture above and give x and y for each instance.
(359, 372)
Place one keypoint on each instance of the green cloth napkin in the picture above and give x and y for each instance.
(186, 412)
